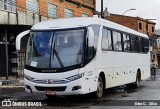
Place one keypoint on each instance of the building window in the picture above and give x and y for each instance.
(68, 13)
(152, 28)
(1, 4)
(32, 5)
(153, 42)
(85, 15)
(117, 44)
(9, 5)
(140, 26)
(106, 40)
(52, 10)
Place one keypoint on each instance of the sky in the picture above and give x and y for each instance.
(147, 9)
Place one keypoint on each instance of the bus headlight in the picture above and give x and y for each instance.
(28, 78)
(75, 77)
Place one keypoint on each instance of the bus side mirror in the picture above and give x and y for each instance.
(19, 37)
(90, 37)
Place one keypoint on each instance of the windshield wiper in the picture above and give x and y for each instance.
(58, 58)
(56, 53)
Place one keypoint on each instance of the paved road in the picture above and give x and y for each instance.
(115, 98)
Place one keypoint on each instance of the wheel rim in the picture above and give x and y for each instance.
(100, 87)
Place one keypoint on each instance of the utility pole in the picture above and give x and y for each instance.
(6, 49)
(102, 9)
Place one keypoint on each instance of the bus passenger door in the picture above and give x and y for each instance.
(89, 55)
(89, 78)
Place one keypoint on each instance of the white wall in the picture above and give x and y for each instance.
(23, 18)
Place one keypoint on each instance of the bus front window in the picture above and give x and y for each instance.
(55, 49)
(67, 48)
(39, 49)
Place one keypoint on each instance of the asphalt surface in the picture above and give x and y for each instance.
(145, 97)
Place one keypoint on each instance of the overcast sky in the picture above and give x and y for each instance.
(147, 9)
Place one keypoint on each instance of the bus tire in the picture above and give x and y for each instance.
(100, 88)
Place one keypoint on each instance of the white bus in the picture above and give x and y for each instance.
(83, 55)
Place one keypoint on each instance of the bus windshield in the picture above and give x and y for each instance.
(55, 49)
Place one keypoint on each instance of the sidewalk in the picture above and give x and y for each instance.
(11, 83)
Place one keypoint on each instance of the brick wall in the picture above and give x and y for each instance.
(124, 20)
(143, 29)
(150, 28)
(21, 5)
(133, 23)
(43, 10)
(78, 11)
(43, 7)
(150, 25)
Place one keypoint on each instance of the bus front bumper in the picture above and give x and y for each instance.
(76, 87)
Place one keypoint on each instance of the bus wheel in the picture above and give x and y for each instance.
(137, 83)
(100, 88)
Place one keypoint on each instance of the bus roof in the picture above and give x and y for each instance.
(76, 22)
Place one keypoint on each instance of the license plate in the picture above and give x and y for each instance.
(49, 92)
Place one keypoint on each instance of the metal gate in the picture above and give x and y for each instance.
(12, 61)
(2, 60)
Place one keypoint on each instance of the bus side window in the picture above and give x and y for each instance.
(106, 40)
(90, 49)
(96, 29)
(145, 45)
(139, 42)
(117, 41)
(134, 44)
(126, 42)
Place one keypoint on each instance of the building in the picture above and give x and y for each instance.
(157, 48)
(137, 23)
(19, 15)
(58, 8)
(141, 25)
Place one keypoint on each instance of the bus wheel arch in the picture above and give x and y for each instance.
(104, 79)
(139, 73)
(138, 79)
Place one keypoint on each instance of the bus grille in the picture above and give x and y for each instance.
(58, 89)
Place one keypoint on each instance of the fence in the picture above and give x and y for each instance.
(12, 60)
(2, 60)
(21, 60)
